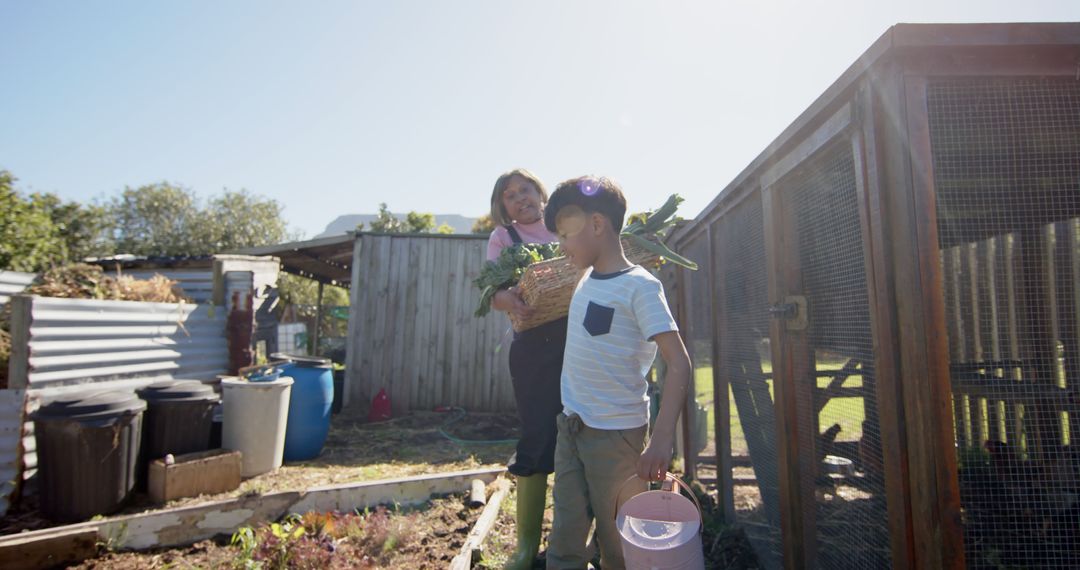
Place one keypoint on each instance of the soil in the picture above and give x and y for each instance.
(427, 537)
(355, 451)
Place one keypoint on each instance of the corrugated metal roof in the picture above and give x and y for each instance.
(12, 406)
(12, 283)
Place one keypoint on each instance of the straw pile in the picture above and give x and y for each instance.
(82, 281)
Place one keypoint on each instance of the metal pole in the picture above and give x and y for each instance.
(318, 322)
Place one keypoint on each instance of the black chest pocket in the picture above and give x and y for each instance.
(598, 319)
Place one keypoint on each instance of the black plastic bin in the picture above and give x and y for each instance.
(87, 449)
(179, 416)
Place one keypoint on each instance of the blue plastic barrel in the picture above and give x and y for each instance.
(309, 405)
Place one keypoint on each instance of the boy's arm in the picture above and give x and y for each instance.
(654, 461)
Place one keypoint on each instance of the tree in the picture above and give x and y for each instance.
(169, 220)
(85, 229)
(418, 223)
(28, 238)
(483, 225)
(445, 229)
(415, 223)
(159, 219)
(242, 219)
(385, 222)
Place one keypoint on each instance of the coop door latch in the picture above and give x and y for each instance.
(793, 311)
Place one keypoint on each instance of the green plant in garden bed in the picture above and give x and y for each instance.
(314, 540)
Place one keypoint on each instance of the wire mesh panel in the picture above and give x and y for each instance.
(746, 370)
(837, 385)
(699, 339)
(1006, 156)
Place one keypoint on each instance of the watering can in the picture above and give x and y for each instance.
(661, 529)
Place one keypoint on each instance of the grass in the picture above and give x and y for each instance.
(848, 412)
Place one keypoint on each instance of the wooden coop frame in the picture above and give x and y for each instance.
(875, 119)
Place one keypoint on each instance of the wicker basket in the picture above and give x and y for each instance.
(547, 286)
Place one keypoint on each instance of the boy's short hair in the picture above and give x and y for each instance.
(593, 195)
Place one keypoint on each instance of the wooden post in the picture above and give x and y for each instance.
(903, 126)
(725, 485)
(22, 316)
(791, 364)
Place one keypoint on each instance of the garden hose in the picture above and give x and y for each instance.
(459, 414)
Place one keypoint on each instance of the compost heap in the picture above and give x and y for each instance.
(83, 281)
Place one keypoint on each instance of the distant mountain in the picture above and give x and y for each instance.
(347, 223)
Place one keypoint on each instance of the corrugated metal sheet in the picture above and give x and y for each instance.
(12, 405)
(79, 345)
(13, 282)
(197, 283)
(241, 282)
(73, 342)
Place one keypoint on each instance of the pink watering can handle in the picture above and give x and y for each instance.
(673, 479)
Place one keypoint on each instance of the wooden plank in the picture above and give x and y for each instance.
(438, 336)
(368, 312)
(797, 510)
(925, 350)
(834, 126)
(677, 282)
(472, 549)
(467, 341)
(353, 330)
(424, 285)
(49, 549)
(469, 344)
(181, 526)
(876, 217)
(395, 322)
(380, 364)
(481, 348)
(19, 359)
(453, 329)
(409, 324)
(721, 393)
(403, 491)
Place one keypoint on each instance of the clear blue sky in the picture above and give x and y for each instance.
(333, 107)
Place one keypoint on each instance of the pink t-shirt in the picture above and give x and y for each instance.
(535, 232)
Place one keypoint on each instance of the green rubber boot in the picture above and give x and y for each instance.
(531, 500)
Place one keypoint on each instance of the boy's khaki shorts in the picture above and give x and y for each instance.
(591, 468)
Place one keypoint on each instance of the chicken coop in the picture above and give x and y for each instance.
(886, 323)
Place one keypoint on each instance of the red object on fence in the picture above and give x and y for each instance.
(380, 407)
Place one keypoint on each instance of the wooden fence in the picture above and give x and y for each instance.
(411, 326)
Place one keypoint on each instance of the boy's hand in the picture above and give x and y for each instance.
(654, 461)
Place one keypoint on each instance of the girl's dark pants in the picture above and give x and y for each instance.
(536, 358)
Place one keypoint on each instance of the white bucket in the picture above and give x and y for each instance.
(661, 529)
(255, 417)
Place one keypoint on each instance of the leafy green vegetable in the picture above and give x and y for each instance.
(645, 229)
(507, 270)
(656, 224)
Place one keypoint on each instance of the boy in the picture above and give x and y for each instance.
(618, 318)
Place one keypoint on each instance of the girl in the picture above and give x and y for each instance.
(536, 357)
